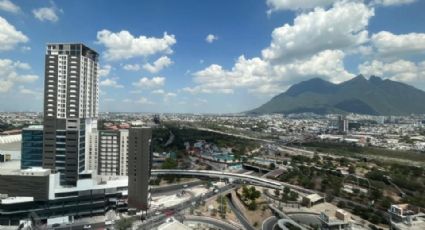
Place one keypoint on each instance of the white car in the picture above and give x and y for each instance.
(109, 222)
(87, 226)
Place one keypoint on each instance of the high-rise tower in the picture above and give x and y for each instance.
(139, 167)
(71, 96)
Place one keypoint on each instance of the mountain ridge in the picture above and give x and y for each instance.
(373, 96)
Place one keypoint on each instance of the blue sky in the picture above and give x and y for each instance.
(215, 56)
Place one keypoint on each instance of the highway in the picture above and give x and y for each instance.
(241, 217)
(157, 220)
(264, 182)
(269, 223)
(208, 220)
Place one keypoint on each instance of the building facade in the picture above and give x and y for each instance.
(139, 167)
(107, 152)
(71, 96)
(32, 147)
(36, 194)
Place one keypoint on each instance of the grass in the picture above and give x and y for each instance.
(355, 151)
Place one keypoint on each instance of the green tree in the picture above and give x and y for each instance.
(286, 190)
(123, 224)
(352, 169)
(169, 163)
(293, 196)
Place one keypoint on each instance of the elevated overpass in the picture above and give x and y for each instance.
(255, 180)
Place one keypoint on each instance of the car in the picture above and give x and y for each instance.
(87, 226)
(109, 222)
(185, 186)
(157, 213)
(56, 225)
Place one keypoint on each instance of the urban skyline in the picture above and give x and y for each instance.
(320, 125)
(197, 58)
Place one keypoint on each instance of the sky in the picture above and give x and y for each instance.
(210, 56)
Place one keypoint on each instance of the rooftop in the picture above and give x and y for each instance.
(36, 171)
(34, 127)
(14, 200)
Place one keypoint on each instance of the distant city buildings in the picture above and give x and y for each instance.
(342, 124)
(71, 97)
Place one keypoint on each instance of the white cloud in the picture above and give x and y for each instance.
(7, 5)
(245, 73)
(388, 43)
(341, 27)
(166, 95)
(211, 38)
(314, 46)
(154, 82)
(10, 74)
(46, 14)
(26, 78)
(9, 36)
(109, 99)
(158, 91)
(327, 64)
(392, 2)
(24, 90)
(144, 101)
(132, 67)
(259, 76)
(5, 85)
(303, 5)
(111, 83)
(104, 70)
(400, 70)
(276, 5)
(123, 45)
(25, 48)
(158, 65)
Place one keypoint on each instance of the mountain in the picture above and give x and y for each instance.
(373, 96)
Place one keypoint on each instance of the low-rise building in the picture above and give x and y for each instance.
(37, 192)
(406, 216)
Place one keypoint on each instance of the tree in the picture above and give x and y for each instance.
(123, 224)
(286, 190)
(341, 204)
(293, 196)
(169, 163)
(253, 193)
(352, 169)
(376, 194)
(276, 192)
(222, 207)
(272, 166)
(316, 157)
(245, 192)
